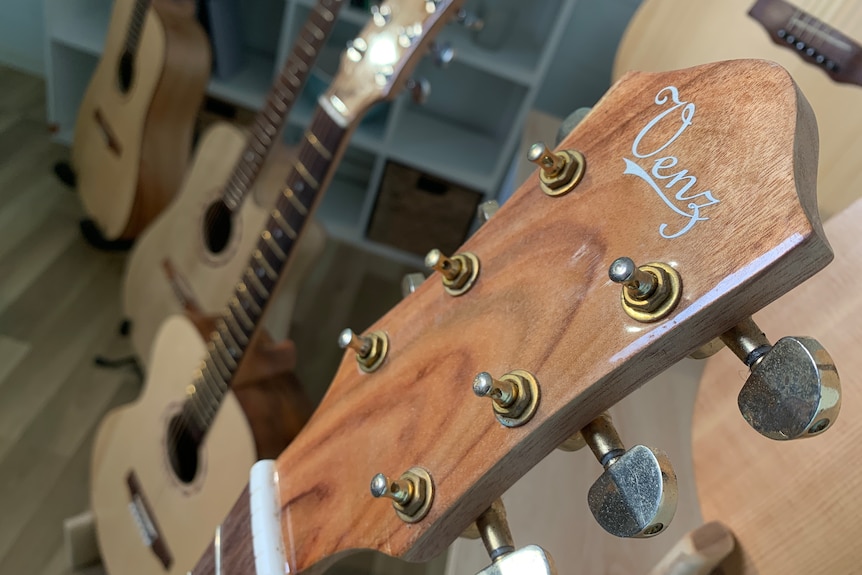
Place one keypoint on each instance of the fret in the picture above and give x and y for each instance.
(325, 13)
(222, 348)
(292, 78)
(294, 201)
(316, 31)
(273, 246)
(318, 145)
(258, 285)
(197, 411)
(263, 137)
(273, 115)
(309, 49)
(267, 269)
(282, 224)
(240, 313)
(223, 370)
(227, 336)
(214, 379)
(204, 395)
(306, 175)
(253, 143)
(247, 299)
(235, 330)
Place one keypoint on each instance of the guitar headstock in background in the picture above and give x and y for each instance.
(707, 173)
(378, 62)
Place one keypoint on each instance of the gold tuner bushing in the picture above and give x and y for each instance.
(559, 171)
(649, 292)
(370, 349)
(411, 494)
(459, 272)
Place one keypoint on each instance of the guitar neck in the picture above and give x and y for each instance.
(318, 156)
(136, 24)
(282, 95)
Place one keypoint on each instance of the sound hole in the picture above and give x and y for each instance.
(183, 450)
(126, 71)
(218, 226)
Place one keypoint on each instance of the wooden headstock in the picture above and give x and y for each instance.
(379, 61)
(710, 170)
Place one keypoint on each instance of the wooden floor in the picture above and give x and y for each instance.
(60, 308)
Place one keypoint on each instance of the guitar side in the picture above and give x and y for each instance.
(131, 150)
(671, 34)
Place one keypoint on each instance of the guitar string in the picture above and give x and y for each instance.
(192, 406)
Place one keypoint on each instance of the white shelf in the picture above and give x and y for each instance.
(454, 152)
(340, 209)
(515, 61)
(83, 29)
(250, 85)
(348, 13)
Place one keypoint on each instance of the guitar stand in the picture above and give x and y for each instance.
(79, 538)
(65, 173)
(93, 236)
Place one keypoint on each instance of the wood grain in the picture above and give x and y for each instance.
(791, 505)
(656, 39)
(391, 420)
(153, 121)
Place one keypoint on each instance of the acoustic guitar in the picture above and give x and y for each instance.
(792, 508)
(523, 338)
(134, 129)
(816, 41)
(193, 252)
(166, 468)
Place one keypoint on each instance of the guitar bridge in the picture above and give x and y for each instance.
(108, 133)
(145, 520)
(812, 39)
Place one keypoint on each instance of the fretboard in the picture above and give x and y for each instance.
(318, 155)
(286, 88)
(136, 24)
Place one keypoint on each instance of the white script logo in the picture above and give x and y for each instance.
(662, 167)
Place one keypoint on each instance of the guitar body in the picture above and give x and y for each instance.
(131, 148)
(178, 235)
(672, 34)
(793, 507)
(132, 438)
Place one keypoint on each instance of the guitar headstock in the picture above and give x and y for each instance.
(708, 171)
(381, 58)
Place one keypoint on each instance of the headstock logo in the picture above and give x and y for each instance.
(674, 186)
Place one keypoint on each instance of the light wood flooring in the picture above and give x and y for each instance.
(60, 307)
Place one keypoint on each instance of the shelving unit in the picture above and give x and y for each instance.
(466, 133)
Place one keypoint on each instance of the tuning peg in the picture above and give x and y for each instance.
(410, 283)
(459, 272)
(515, 395)
(411, 494)
(793, 390)
(560, 171)
(356, 49)
(443, 53)
(494, 531)
(469, 20)
(381, 14)
(650, 292)
(637, 493)
(486, 210)
(370, 349)
(419, 89)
